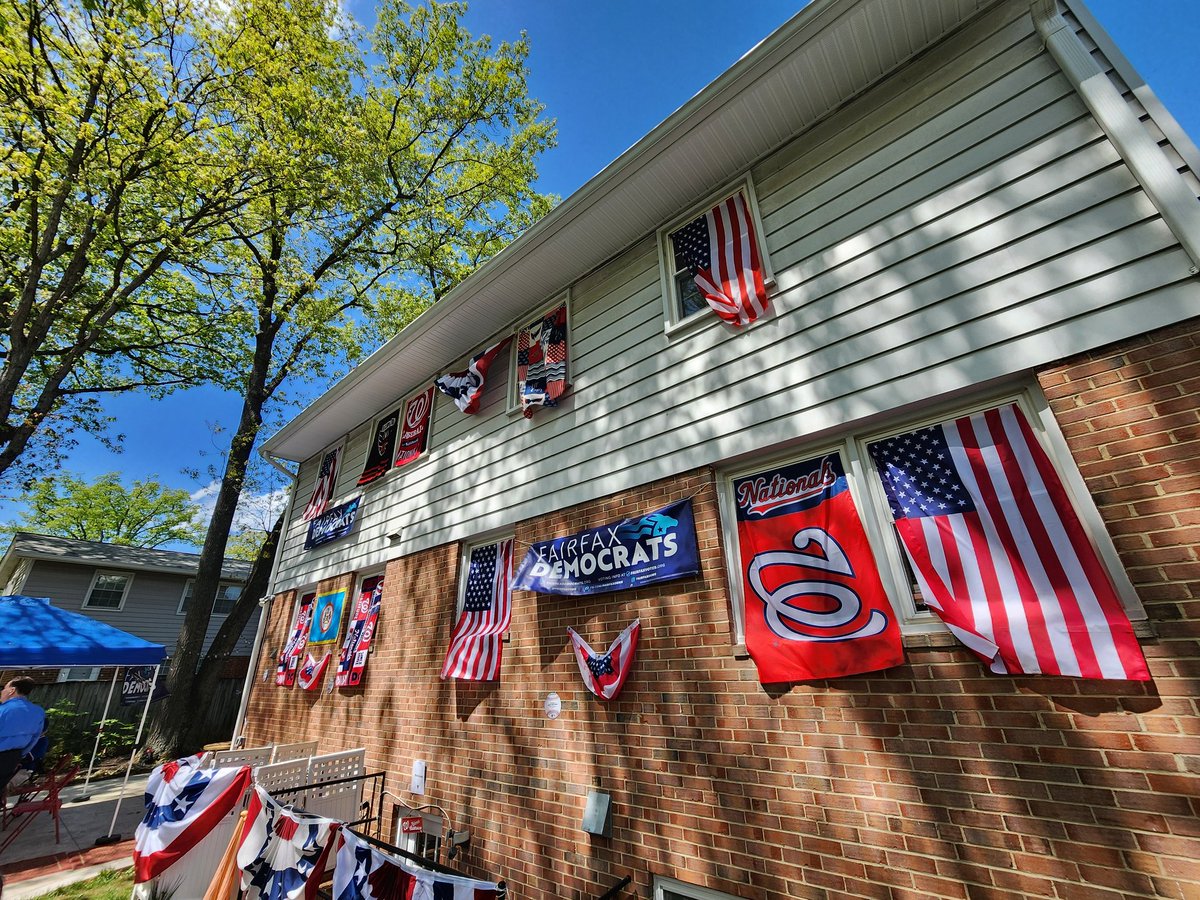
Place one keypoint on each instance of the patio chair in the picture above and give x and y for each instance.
(15, 794)
(26, 811)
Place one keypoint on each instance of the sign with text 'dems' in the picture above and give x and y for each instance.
(332, 524)
(658, 546)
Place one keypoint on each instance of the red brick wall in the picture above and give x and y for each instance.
(934, 779)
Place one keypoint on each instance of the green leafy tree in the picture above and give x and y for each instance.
(144, 515)
(115, 178)
(387, 183)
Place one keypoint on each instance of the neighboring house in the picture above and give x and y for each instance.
(959, 204)
(144, 592)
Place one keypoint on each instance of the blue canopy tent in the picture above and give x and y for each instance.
(36, 634)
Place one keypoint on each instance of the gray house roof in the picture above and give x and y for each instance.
(26, 545)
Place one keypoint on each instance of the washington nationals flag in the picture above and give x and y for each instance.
(815, 606)
(1000, 554)
(475, 644)
(415, 432)
(284, 852)
(465, 388)
(721, 251)
(183, 804)
(605, 675)
(323, 489)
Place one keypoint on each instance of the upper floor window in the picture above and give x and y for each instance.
(539, 370)
(227, 594)
(714, 262)
(108, 590)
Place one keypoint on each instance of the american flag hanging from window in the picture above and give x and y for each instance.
(323, 490)
(605, 674)
(1000, 554)
(475, 643)
(721, 250)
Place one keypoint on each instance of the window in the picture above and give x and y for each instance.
(227, 594)
(477, 569)
(108, 590)
(683, 246)
(539, 366)
(876, 485)
(670, 889)
(78, 673)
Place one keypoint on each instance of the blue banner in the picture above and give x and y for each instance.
(135, 687)
(626, 554)
(332, 524)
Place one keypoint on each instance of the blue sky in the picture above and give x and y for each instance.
(609, 71)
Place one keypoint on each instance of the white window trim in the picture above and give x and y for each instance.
(662, 884)
(179, 610)
(512, 403)
(673, 324)
(96, 576)
(871, 502)
(464, 564)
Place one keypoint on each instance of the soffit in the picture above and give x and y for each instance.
(815, 62)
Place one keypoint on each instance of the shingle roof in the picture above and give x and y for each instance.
(45, 546)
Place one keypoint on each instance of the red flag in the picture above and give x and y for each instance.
(605, 675)
(814, 604)
(999, 552)
(323, 489)
(475, 644)
(415, 430)
(721, 250)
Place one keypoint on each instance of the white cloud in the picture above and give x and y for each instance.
(254, 511)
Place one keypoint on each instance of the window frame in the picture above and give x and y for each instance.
(663, 883)
(674, 323)
(512, 402)
(181, 609)
(96, 576)
(464, 566)
(871, 501)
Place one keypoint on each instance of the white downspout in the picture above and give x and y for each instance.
(1168, 192)
(265, 602)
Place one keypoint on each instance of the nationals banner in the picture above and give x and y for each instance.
(414, 435)
(329, 526)
(352, 662)
(289, 659)
(658, 546)
(814, 604)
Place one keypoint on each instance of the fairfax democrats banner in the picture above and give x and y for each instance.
(626, 554)
(332, 524)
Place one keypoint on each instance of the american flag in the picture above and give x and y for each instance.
(1000, 554)
(721, 251)
(605, 674)
(475, 644)
(323, 490)
(465, 388)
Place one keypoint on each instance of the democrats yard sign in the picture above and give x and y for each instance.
(626, 554)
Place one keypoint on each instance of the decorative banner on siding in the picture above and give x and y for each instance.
(815, 606)
(352, 662)
(327, 618)
(414, 437)
(330, 526)
(289, 659)
(135, 687)
(379, 455)
(626, 554)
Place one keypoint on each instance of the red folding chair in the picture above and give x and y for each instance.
(27, 790)
(26, 811)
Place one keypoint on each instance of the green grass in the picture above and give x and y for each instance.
(115, 884)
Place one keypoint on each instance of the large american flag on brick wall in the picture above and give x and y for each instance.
(721, 250)
(476, 642)
(999, 552)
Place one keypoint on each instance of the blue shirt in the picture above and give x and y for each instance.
(21, 724)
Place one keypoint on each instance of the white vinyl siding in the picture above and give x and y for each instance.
(963, 223)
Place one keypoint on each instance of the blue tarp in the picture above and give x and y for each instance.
(34, 632)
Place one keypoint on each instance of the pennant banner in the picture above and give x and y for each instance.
(183, 804)
(379, 455)
(814, 603)
(329, 526)
(1000, 554)
(414, 436)
(289, 659)
(605, 675)
(542, 361)
(352, 662)
(284, 852)
(658, 546)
